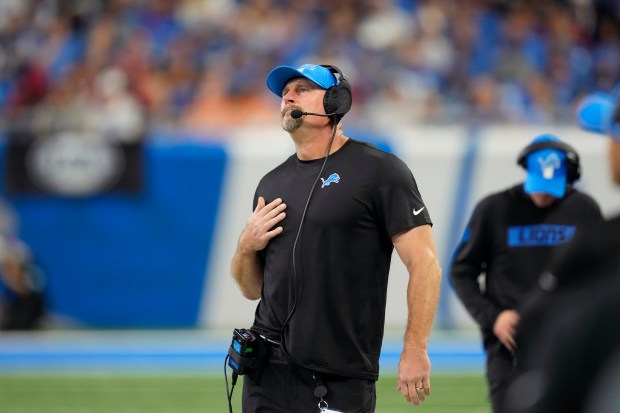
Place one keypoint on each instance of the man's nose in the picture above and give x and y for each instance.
(289, 96)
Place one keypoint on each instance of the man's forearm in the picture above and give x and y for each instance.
(464, 279)
(414, 369)
(247, 270)
(422, 299)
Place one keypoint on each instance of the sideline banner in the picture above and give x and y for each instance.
(72, 164)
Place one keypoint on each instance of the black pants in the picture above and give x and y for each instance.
(500, 368)
(286, 388)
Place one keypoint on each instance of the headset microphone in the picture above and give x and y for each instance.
(296, 114)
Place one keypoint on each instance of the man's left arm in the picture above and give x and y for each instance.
(416, 248)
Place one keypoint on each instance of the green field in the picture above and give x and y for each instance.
(205, 394)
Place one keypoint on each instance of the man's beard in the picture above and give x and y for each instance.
(290, 124)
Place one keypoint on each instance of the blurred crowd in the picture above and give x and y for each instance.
(125, 66)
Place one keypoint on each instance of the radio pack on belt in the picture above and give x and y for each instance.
(247, 355)
(244, 351)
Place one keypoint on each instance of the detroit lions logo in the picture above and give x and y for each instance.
(307, 66)
(335, 178)
(549, 164)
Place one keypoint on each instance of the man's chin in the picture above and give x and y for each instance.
(289, 124)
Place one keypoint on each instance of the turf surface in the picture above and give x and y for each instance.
(205, 394)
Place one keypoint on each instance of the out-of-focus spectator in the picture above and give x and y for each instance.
(216, 109)
(22, 304)
(22, 298)
(114, 112)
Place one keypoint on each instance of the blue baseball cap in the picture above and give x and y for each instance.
(546, 169)
(322, 76)
(595, 113)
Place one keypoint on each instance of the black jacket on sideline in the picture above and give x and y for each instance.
(509, 240)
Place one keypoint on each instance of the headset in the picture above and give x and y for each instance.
(337, 100)
(573, 172)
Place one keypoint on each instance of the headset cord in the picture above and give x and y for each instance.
(234, 381)
(301, 223)
(229, 394)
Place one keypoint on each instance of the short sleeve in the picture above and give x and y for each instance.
(397, 199)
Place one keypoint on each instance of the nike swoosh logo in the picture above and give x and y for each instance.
(417, 211)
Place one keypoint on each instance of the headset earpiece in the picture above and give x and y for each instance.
(573, 172)
(338, 98)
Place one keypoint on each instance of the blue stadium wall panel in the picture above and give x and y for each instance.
(131, 260)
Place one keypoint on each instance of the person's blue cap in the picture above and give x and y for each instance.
(278, 77)
(546, 169)
(595, 113)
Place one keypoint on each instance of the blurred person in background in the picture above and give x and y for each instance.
(22, 303)
(506, 245)
(569, 357)
(317, 254)
(113, 111)
(22, 300)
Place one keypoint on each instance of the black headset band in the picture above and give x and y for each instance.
(551, 145)
(537, 146)
(335, 70)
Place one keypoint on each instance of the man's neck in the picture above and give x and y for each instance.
(311, 145)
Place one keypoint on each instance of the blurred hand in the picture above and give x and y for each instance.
(505, 328)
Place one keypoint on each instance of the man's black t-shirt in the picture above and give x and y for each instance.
(333, 292)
